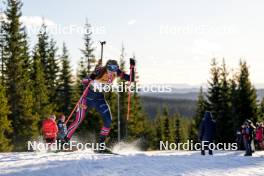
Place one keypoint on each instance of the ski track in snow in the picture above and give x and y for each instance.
(86, 163)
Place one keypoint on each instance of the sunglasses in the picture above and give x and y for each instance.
(112, 68)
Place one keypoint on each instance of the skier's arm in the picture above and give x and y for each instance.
(125, 76)
(92, 76)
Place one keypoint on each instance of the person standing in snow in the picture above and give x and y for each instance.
(248, 133)
(239, 138)
(252, 126)
(207, 132)
(50, 129)
(62, 128)
(259, 135)
(99, 78)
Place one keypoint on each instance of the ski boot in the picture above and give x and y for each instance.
(102, 146)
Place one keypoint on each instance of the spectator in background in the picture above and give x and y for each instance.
(253, 128)
(239, 139)
(248, 133)
(49, 129)
(62, 128)
(259, 135)
(207, 132)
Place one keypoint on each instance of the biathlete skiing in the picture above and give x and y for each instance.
(91, 98)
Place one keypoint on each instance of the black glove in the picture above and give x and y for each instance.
(132, 62)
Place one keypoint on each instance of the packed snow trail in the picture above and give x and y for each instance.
(156, 163)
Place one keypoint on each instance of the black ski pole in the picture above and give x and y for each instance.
(102, 51)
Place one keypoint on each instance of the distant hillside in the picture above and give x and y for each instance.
(187, 94)
(183, 103)
(154, 105)
(260, 93)
(173, 95)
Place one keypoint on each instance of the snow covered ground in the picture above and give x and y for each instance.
(86, 163)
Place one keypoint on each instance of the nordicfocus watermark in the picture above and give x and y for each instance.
(197, 29)
(57, 145)
(123, 87)
(67, 30)
(190, 145)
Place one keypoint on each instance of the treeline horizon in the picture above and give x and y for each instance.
(36, 82)
(232, 99)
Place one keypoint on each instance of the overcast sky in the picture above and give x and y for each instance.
(173, 40)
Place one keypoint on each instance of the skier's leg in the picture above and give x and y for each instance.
(80, 114)
(104, 109)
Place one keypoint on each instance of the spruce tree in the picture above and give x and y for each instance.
(43, 46)
(2, 44)
(178, 137)
(88, 50)
(138, 119)
(200, 110)
(52, 73)
(214, 92)
(234, 102)
(193, 132)
(81, 74)
(261, 110)
(225, 131)
(47, 52)
(18, 82)
(201, 107)
(65, 90)
(246, 97)
(5, 123)
(158, 124)
(41, 105)
(166, 124)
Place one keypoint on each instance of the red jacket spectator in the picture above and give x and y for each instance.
(259, 134)
(49, 128)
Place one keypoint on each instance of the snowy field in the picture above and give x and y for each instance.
(86, 163)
